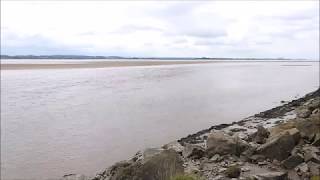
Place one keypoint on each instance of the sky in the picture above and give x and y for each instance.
(255, 29)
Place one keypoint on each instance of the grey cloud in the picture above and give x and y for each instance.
(207, 34)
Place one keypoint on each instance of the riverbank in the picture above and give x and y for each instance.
(72, 64)
(280, 143)
(30, 64)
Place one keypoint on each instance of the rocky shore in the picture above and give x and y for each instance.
(277, 144)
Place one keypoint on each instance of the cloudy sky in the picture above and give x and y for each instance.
(162, 28)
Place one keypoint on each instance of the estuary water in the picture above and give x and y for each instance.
(62, 121)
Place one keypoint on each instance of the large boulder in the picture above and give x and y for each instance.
(292, 161)
(271, 176)
(294, 132)
(314, 103)
(260, 136)
(311, 153)
(309, 127)
(222, 144)
(161, 166)
(278, 147)
(303, 113)
(193, 151)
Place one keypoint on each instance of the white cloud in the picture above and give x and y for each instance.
(162, 28)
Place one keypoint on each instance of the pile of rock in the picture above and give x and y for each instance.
(281, 143)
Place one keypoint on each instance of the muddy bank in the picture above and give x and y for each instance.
(92, 64)
(280, 143)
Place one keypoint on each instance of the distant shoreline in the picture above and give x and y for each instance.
(14, 64)
(93, 64)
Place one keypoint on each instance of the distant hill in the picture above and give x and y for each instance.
(58, 57)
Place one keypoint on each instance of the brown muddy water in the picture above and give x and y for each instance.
(61, 121)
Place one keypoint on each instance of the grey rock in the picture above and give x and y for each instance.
(315, 103)
(272, 176)
(303, 167)
(245, 169)
(216, 158)
(311, 153)
(193, 151)
(316, 141)
(238, 129)
(315, 111)
(293, 175)
(257, 158)
(278, 148)
(314, 168)
(309, 127)
(292, 161)
(74, 177)
(303, 113)
(222, 144)
(262, 163)
(247, 154)
(294, 132)
(163, 165)
(261, 135)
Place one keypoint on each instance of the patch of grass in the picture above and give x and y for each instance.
(233, 171)
(185, 177)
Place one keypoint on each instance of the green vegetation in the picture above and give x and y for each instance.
(186, 177)
(233, 172)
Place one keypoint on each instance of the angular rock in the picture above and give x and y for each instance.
(215, 158)
(193, 151)
(293, 175)
(316, 141)
(311, 153)
(261, 135)
(257, 158)
(316, 111)
(315, 103)
(292, 161)
(222, 144)
(302, 169)
(278, 148)
(247, 154)
(74, 177)
(238, 129)
(303, 113)
(294, 132)
(272, 176)
(175, 145)
(314, 168)
(309, 127)
(160, 166)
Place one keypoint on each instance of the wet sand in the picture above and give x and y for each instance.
(92, 64)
